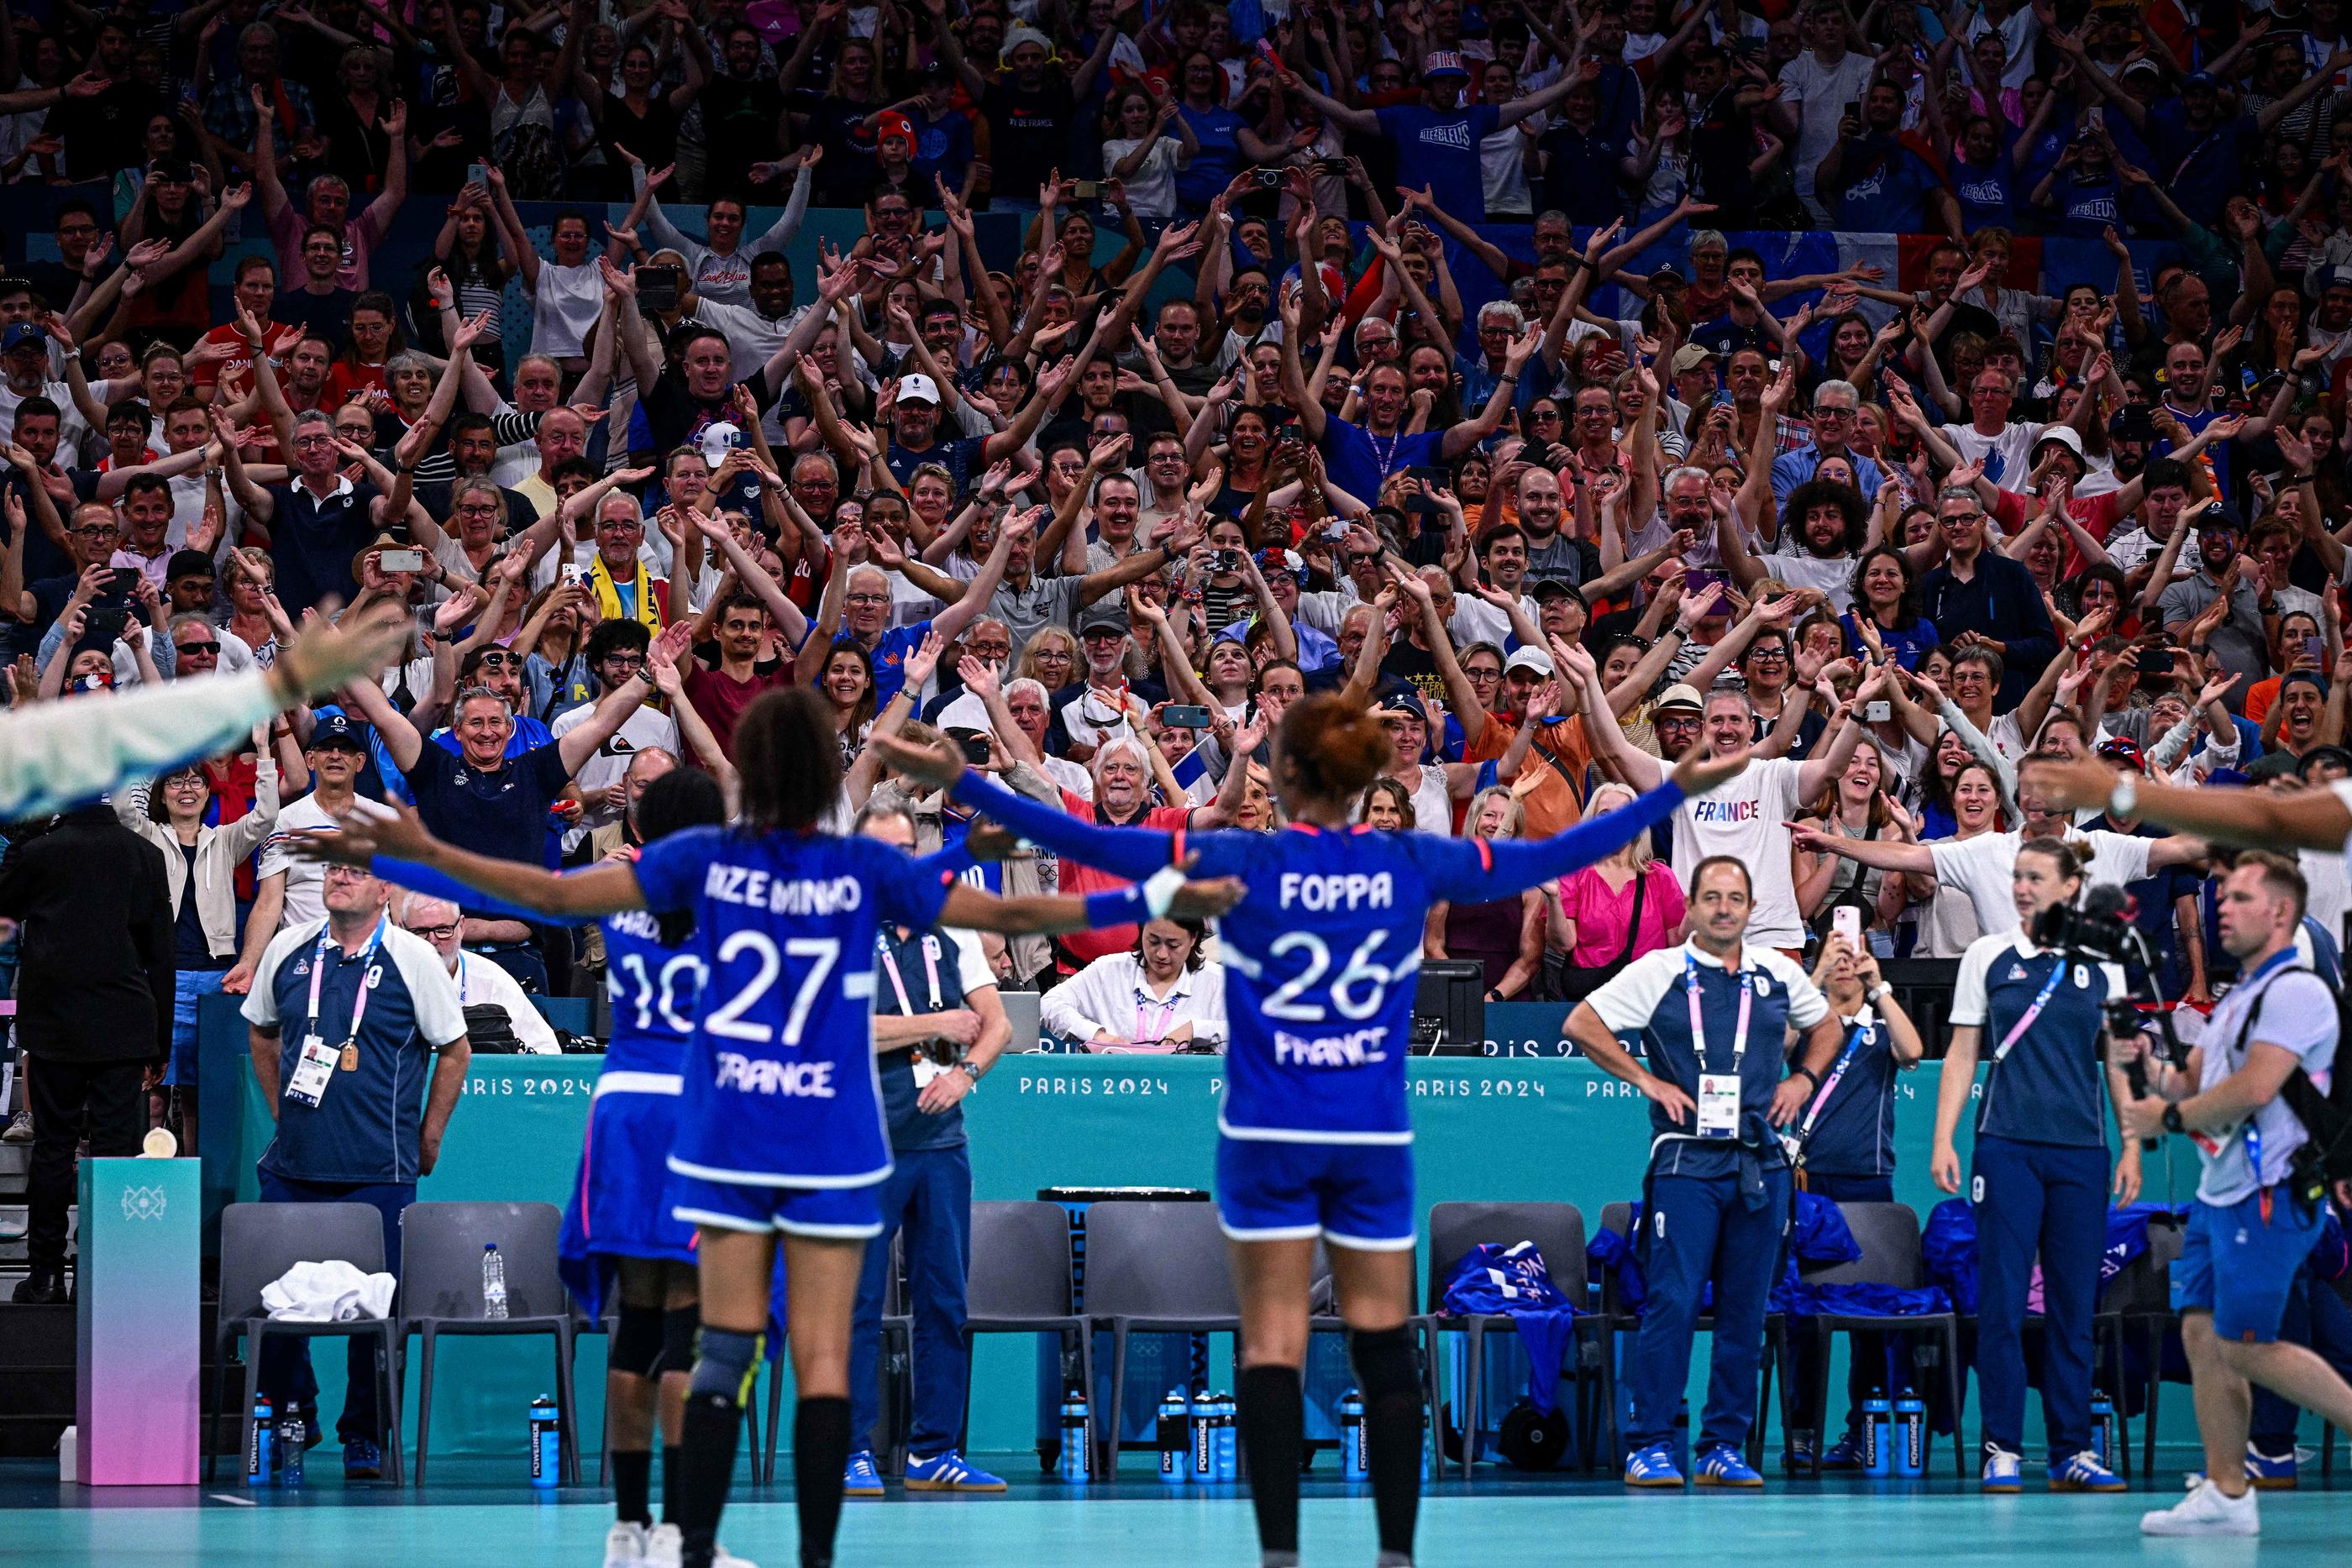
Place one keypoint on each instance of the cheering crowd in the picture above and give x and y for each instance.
(1095, 493)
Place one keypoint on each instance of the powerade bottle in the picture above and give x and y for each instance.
(1226, 1424)
(2104, 1440)
(1876, 1440)
(546, 1443)
(1175, 1439)
(293, 1437)
(1355, 1438)
(261, 1447)
(1199, 1421)
(1078, 1440)
(1910, 1436)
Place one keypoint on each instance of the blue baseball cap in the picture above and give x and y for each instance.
(23, 332)
(336, 730)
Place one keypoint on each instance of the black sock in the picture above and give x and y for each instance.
(706, 1470)
(1390, 1379)
(670, 1463)
(1273, 1420)
(820, 1452)
(632, 1473)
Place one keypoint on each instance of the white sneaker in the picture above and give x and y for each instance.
(20, 1128)
(624, 1545)
(666, 1548)
(2208, 1510)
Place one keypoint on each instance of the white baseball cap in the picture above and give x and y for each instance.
(919, 389)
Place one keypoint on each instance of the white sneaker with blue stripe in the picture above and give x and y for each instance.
(948, 1472)
(1653, 1467)
(2000, 1470)
(1725, 1465)
(2084, 1472)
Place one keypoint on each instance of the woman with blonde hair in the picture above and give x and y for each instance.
(1503, 933)
(1853, 805)
(1050, 658)
(1606, 915)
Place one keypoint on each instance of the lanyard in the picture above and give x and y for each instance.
(1699, 1024)
(319, 973)
(930, 972)
(1144, 1031)
(2017, 1030)
(1854, 1035)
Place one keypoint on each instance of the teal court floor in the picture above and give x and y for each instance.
(475, 1513)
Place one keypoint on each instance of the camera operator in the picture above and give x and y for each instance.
(2041, 1180)
(934, 997)
(2250, 1229)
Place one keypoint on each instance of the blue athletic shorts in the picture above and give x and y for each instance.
(841, 1213)
(2239, 1268)
(619, 1204)
(1352, 1195)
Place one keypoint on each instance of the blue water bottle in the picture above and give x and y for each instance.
(2104, 1441)
(1175, 1439)
(1355, 1452)
(1910, 1436)
(1229, 1454)
(1078, 1440)
(546, 1443)
(293, 1437)
(1201, 1430)
(261, 1448)
(1876, 1416)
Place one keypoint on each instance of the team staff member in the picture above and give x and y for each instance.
(2040, 1181)
(934, 983)
(2248, 1234)
(1844, 1151)
(1712, 1015)
(367, 1003)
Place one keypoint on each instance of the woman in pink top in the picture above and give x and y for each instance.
(1595, 907)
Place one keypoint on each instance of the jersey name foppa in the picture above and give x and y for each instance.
(759, 1075)
(1376, 890)
(1725, 813)
(1455, 136)
(757, 890)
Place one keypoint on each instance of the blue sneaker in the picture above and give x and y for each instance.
(1724, 1466)
(1844, 1455)
(2001, 1474)
(859, 1477)
(2084, 1472)
(1653, 1467)
(363, 1461)
(948, 1472)
(1797, 1458)
(2268, 1472)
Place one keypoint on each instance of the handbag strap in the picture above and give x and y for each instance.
(1633, 926)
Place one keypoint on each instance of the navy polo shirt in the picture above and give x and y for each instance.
(1359, 461)
(502, 813)
(1649, 998)
(911, 1127)
(1998, 600)
(313, 538)
(368, 1125)
(1854, 1132)
(2049, 1087)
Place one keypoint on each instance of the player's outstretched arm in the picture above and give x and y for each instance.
(1488, 870)
(1164, 894)
(1132, 852)
(2256, 819)
(362, 837)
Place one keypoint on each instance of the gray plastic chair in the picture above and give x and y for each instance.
(260, 1241)
(1558, 1231)
(1888, 1235)
(1154, 1268)
(441, 1247)
(1019, 1279)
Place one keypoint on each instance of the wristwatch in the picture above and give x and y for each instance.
(1878, 990)
(646, 674)
(2124, 798)
(2172, 1120)
(970, 1071)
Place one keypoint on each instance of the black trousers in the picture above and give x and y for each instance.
(112, 1096)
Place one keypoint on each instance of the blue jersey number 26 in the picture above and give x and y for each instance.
(1357, 991)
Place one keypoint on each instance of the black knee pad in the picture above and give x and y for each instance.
(1384, 1361)
(724, 1363)
(637, 1343)
(677, 1327)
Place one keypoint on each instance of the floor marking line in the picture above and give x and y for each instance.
(224, 1497)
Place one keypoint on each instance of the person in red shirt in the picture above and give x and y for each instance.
(1123, 774)
(223, 356)
(721, 693)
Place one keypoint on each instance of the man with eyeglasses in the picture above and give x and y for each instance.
(319, 519)
(1834, 403)
(37, 606)
(442, 927)
(616, 651)
(1979, 598)
(76, 227)
(1766, 666)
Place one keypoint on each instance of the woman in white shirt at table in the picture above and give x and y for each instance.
(1161, 995)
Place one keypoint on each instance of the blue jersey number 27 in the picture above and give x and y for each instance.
(822, 955)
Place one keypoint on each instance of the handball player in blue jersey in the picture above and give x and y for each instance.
(779, 1124)
(1320, 957)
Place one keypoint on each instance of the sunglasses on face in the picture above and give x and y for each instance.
(501, 662)
(209, 650)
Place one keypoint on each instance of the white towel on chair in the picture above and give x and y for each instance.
(334, 1292)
